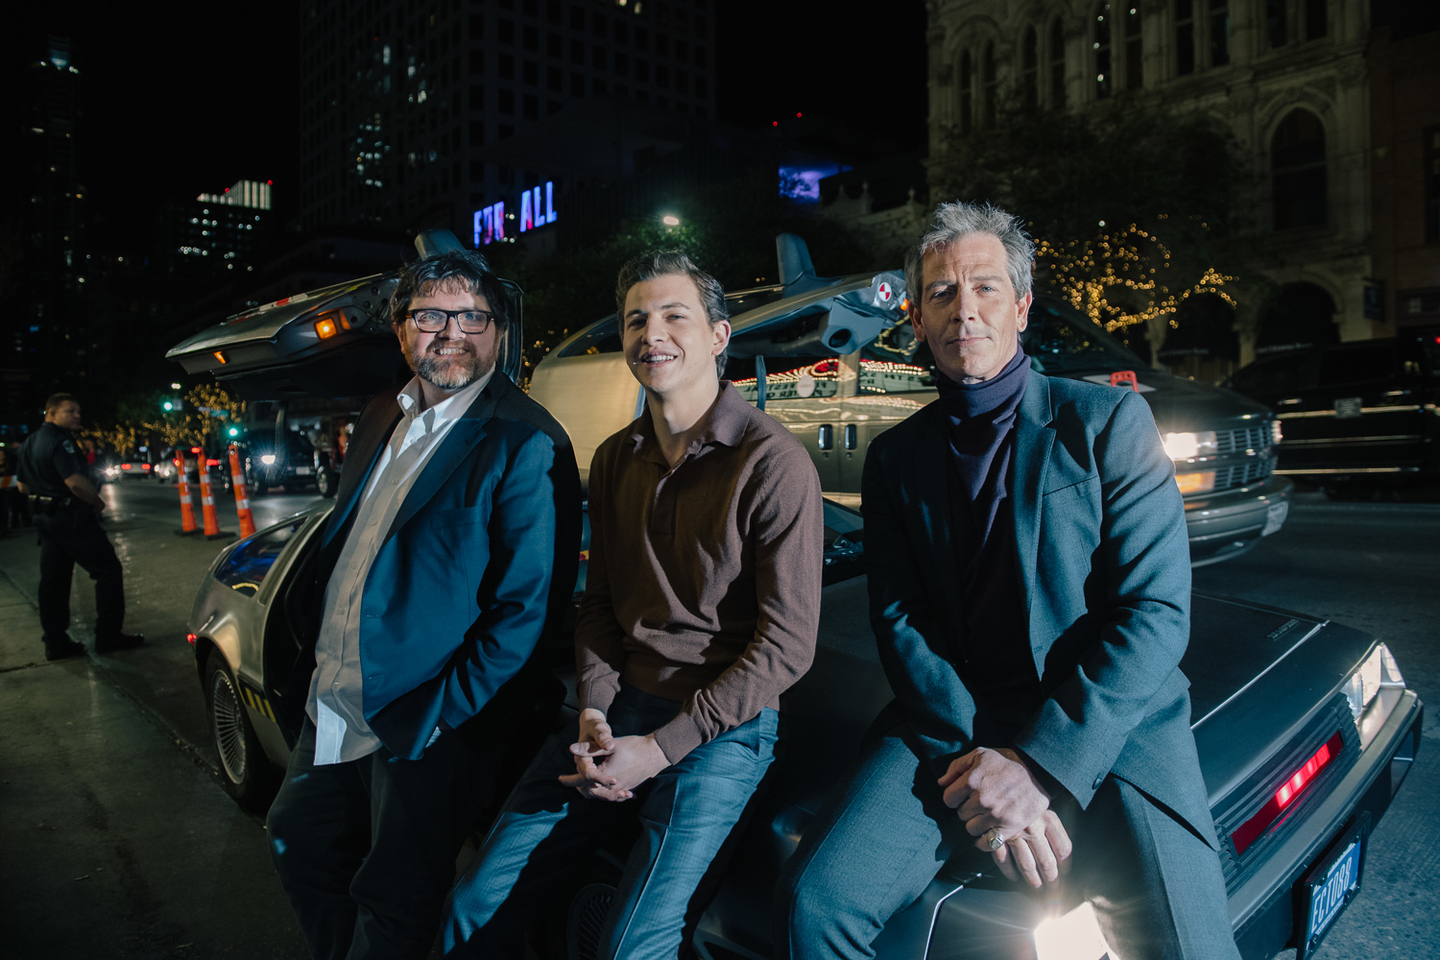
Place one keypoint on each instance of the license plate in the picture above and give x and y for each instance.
(1275, 515)
(1330, 886)
(1348, 408)
(303, 471)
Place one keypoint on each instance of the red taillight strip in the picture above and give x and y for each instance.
(1249, 831)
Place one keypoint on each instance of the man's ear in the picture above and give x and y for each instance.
(720, 329)
(1022, 310)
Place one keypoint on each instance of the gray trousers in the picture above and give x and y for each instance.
(1156, 887)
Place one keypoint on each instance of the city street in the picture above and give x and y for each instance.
(116, 840)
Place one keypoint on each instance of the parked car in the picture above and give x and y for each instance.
(127, 468)
(836, 362)
(288, 465)
(1365, 410)
(1305, 731)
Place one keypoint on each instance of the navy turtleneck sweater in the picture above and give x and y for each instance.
(994, 640)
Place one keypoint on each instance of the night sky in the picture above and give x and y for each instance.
(188, 98)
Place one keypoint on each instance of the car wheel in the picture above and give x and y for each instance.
(326, 482)
(245, 771)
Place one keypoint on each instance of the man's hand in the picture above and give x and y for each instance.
(993, 789)
(607, 768)
(1039, 853)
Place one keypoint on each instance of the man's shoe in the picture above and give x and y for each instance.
(62, 648)
(120, 641)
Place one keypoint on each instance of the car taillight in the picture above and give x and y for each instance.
(191, 638)
(1294, 785)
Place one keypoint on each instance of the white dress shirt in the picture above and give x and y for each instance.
(337, 690)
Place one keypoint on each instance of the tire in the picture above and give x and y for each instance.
(245, 771)
(326, 482)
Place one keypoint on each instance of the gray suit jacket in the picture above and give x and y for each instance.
(1104, 568)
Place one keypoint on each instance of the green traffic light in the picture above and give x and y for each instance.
(234, 431)
(169, 405)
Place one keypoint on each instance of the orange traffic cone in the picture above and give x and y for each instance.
(187, 510)
(242, 496)
(207, 503)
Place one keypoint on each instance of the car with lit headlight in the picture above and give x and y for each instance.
(1305, 728)
(1305, 731)
(834, 360)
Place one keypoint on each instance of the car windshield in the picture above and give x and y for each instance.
(1060, 341)
(250, 561)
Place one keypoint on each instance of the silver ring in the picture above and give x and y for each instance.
(994, 839)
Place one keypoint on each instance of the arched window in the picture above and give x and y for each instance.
(1030, 67)
(1100, 44)
(967, 93)
(1184, 37)
(1134, 48)
(989, 87)
(1057, 63)
(1297, 171)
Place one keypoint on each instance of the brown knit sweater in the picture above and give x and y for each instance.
(704, 581)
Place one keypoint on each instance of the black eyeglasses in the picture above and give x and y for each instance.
(433, 319)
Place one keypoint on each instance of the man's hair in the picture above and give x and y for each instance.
(53, 402)
(957, 220)
(664, 263)
(433, 274)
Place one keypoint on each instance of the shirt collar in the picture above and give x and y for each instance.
(725, 422)
(452, 407)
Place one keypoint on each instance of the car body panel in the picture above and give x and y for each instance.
(1364, 408)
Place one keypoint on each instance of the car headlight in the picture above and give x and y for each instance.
(268, 459)
(112, 472)
(1074, 936)
(1378, 670)
(1276, 434)
(1186, 446)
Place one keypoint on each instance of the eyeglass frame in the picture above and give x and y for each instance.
(489, 316)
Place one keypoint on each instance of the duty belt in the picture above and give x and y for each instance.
(53, 504)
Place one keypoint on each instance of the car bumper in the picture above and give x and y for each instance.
(1224, 525)
(1264, 907)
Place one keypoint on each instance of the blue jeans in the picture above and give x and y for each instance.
(545, 830)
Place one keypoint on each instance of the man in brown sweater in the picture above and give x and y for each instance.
(701, 607)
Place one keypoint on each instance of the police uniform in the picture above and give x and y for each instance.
(70, 533)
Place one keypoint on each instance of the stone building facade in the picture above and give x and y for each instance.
(1292, 79)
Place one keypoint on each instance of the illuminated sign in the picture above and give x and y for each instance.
(537, 208)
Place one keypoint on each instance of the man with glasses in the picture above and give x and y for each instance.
(447, 563)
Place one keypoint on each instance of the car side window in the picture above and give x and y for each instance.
(246, 566)
(788, 378)
(896, 362)
(1359, 364)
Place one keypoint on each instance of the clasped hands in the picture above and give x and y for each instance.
(994, 789)
(608, 767)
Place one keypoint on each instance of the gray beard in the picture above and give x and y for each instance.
(432, 370)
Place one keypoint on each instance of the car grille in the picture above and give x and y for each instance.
(1248, 451)
(1245, 800)
(1253, 470)
(1245, 438)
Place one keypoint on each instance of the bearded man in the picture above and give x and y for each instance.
(448, 561)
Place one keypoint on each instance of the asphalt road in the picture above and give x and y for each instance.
(116, 840)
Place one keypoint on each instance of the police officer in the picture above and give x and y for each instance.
(67, 518)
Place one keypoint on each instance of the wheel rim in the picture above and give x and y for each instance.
(228, 721)
(587, 918)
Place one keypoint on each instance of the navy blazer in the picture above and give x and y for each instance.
(1104, 568)
(478, 565)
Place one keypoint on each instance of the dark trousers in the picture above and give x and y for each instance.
(1156, 887)
(366, 848)
(68, 537)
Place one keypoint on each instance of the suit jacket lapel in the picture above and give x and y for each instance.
(933, 507)
(458, 442)
(1033, 441)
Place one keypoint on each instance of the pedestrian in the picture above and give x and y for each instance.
(67, 509)
(447, 563)
(1029, 579)
(701, 608)
(9, 493)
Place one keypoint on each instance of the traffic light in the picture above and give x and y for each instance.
(233, 432)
